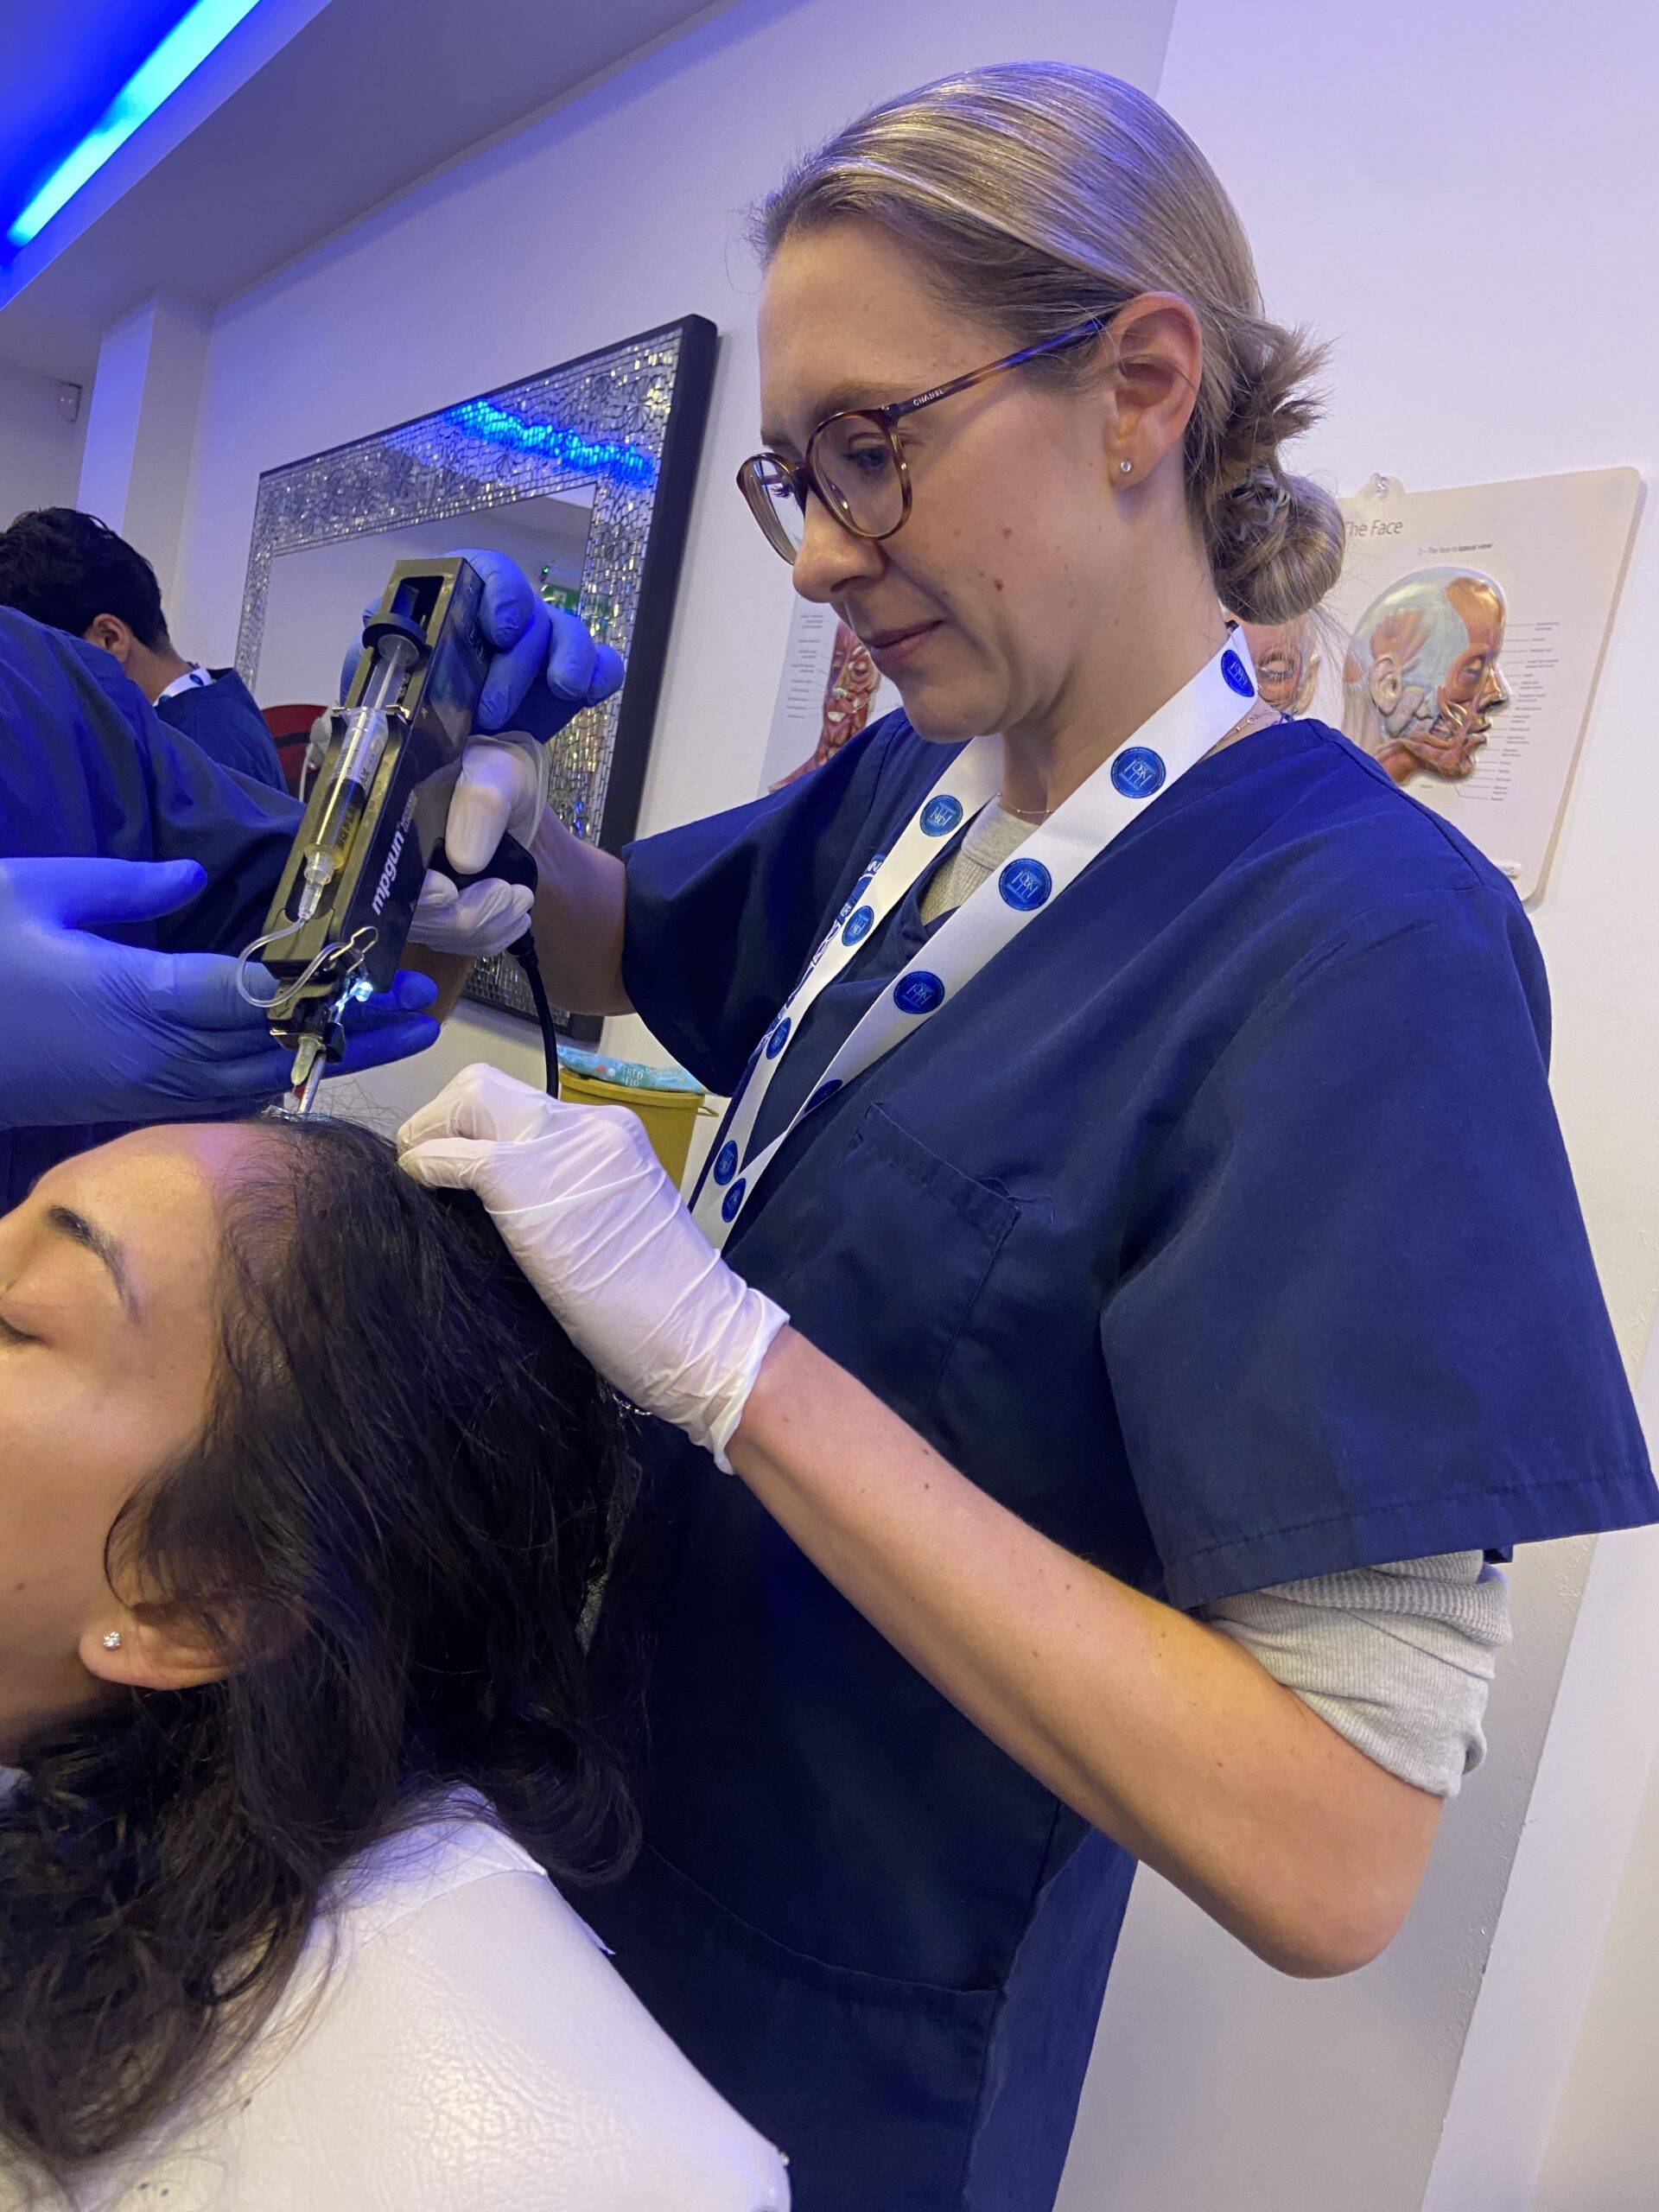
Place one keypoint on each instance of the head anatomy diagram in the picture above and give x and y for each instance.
(1421, 679)
(1286, 661)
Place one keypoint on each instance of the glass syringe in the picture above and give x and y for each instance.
(360, 745)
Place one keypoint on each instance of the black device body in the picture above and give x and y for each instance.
(360, 928)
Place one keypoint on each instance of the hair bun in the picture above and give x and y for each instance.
(1275, 541)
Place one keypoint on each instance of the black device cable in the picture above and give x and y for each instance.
(512, 864)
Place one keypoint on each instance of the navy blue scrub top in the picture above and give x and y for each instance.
(222, 719)
(86, 767)
(1221, 1228)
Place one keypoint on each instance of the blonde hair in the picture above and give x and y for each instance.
(1038, 195)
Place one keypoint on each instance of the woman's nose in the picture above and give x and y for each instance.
(831, 558)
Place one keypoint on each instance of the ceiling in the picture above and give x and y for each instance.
(313, 112)
(61, 63)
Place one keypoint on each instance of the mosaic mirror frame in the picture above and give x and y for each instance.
(627, 420)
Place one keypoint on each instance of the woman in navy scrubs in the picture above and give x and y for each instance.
(1169, 1211)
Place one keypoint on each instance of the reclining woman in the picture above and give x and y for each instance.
(303, 1499)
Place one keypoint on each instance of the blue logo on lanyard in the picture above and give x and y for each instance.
(731, 1202)
(917, 994)
(1025, 884)
(824, 1092)
(860, 926)
(1138, 772)
(1236, 674)
(940, 816)
(726, 1164)
(777, 1040)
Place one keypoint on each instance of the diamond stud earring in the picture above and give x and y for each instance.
(112, 1640)
(1125, 468)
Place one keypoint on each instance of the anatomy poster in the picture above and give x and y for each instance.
(830, 690)
(1462, 646)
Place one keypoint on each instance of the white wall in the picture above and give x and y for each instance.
(1468, 233)
(1465, 199)
(141, 430)
(40, 451)
(1600, 2153)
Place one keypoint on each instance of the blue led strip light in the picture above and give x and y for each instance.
(184, 48)
(623, 464)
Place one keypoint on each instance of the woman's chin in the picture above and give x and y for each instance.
(940, 715)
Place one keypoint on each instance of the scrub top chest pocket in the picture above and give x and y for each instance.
(931, 1238)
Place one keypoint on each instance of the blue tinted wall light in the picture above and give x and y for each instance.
(184, 48)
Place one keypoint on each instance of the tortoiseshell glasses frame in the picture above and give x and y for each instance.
(862, 446)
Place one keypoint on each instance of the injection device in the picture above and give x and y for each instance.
(380, 772)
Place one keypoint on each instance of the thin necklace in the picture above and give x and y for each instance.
(1245, 726)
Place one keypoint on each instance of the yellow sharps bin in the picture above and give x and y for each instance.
(667, 1100)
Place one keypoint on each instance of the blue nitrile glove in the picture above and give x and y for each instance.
(546, 670)
(93, 1030)
(547, 666)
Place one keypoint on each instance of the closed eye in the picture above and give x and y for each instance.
(10, 1336)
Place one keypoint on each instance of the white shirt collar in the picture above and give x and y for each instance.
(192, 680)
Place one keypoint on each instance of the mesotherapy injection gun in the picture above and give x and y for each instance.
(380, 770)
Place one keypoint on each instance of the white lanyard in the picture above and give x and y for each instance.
(1165, 747)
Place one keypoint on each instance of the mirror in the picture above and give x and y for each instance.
(315, 592)
(582, 473)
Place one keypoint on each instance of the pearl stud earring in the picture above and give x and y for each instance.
(112, 1640)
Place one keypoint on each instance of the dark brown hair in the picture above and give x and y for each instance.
(396, 1516)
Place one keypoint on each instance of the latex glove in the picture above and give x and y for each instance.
(100, 1032)
(484, 918)
(548, 666)
(586, 1209)
(501, 790)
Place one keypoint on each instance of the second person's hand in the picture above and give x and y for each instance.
(102, 1032)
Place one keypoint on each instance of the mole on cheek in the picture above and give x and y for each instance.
(997, 580)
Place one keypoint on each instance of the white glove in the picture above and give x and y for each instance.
(500, 792)
(484, 918)
(587, 1211)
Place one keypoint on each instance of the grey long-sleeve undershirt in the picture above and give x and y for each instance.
(1398, 1658)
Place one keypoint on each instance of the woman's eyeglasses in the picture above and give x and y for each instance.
(855, 462)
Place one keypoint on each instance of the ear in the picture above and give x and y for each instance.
(113, 634)
(1159, 360)
(1384, 682)
(160, 1648)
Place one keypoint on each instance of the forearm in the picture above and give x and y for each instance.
(578, 919)
(1154, 1728)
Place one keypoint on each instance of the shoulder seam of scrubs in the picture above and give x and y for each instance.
(1335, 952)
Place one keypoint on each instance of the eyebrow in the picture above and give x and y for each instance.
(88, 1235)
(844, 399)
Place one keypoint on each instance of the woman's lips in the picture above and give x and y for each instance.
(902, 647)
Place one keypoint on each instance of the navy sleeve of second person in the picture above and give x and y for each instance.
(723, 914)
(87, 767)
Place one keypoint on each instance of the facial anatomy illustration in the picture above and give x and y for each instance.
(1420, 681)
